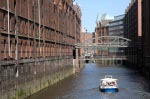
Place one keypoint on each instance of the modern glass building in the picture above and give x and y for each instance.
(116, 26)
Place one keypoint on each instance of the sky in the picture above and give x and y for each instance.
(91, 8)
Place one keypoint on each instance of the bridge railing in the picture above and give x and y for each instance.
(105, 41)
(98, 57)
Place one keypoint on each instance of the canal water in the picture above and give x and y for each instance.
(85, 85)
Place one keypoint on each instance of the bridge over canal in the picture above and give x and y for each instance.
(103, 42)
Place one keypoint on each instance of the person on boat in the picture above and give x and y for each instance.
(104, 83)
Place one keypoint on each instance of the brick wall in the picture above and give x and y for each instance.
(38, 32)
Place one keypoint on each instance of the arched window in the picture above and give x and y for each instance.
(26, 49)
(5, 21)
(11, 49)
(21, 50)
(5, 55)
(30, 50)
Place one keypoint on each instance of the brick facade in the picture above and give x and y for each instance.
(102, 30)
(36, 37)
(85, 37)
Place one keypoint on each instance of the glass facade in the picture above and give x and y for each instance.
(116, 27)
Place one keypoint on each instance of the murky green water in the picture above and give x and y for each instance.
(84, 85)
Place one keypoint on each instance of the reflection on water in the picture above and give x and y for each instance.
(85, 85)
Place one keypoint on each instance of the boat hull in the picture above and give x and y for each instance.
(109, 90)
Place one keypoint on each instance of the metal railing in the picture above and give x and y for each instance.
(104, 58)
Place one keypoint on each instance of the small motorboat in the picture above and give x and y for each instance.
(108, 84)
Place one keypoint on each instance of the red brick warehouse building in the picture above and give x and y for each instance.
(102, 29)
(85, 37)
(36, 38)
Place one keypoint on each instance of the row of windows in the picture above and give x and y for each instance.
(116, 23)
(29, 48)
(116, 28)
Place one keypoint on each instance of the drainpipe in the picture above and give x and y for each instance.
(16, 49)
(8, 28)
(39, 24)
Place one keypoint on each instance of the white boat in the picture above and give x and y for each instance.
(108, 84)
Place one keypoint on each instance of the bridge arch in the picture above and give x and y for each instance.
(104, 41)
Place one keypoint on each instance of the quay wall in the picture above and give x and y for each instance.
(106, 62)
(33, 77)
